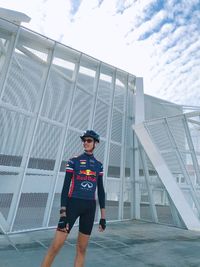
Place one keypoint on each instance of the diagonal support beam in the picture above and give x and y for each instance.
(3, 224)
(176, 195)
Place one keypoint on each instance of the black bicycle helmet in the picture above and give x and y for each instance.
(91, 133)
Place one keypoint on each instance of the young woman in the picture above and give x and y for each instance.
(83, 175)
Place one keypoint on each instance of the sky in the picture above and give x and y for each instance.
(158, 40)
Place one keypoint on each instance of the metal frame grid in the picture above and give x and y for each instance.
(170, 151)
(49, 94)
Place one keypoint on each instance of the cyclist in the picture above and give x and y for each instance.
(83, 175)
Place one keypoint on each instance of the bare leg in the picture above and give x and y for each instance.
(53, 250)
(81, 247)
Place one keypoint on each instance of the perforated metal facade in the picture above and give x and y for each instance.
(49, 94)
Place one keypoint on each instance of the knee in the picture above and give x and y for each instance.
(81, 249)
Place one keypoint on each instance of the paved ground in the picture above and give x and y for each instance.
(124, 244)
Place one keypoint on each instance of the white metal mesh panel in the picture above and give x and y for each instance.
(194, 130)
(56, 100)
(13, 134)
(172, 161)
(164, 142)
(86, 78)
(160, 136)
(7, 179)
(101, 118)
(23, 84)
(190, 168)
(198, 161)
(157, 108)
(105, 89)
(116, 134)
(178, 131)
(45, 146)
(63, 67)
(99, 151)
(112, 198)
(81, 110)
(3, 51)
(119, 97)
(54, 216)
(115, 155)
(30, 211)
(33, 201)
(73, 145)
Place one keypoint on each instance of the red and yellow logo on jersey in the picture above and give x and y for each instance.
(88, 172)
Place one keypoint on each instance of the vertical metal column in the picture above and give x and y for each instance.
(149, 189)
(139, 117)
(3, 224)
(175, 216)
(132, 172)
(109, 128)
(29, 143)
(123, 154)
(61, 148)
(8, 61)
(94, 103)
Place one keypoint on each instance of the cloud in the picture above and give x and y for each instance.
(155, 39)
(175, 61)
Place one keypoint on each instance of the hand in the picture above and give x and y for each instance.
(63, 225)
(102, 225)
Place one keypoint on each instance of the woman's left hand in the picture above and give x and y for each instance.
(102, 225)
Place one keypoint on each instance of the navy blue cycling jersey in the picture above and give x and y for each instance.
(83, 175)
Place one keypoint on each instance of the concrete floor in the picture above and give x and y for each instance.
(123, 244)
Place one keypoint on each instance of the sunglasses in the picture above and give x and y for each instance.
(87, 140)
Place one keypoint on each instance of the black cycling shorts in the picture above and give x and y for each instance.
(84, 210)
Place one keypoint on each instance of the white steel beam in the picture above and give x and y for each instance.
(109, 128)
(123, 153)
(139, 117)
(175, 216)
(94, 103)
(149, 187)
(175, 193)
(3, 224)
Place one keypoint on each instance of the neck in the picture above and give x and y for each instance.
(89, 152)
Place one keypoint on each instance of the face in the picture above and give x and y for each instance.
(88, 144)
